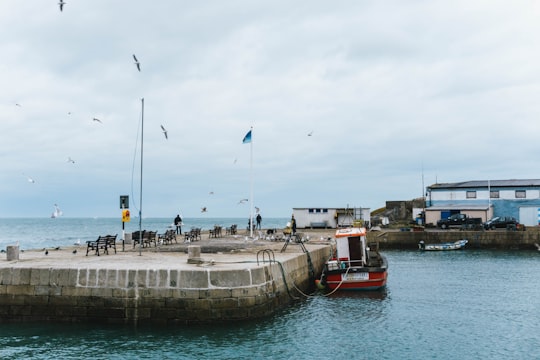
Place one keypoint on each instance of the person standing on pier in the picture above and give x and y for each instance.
(293, 225)
(259, 218)
(178, 224)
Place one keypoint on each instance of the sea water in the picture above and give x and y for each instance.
(38, 233)
(469, 304)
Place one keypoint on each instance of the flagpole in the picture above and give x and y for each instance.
(251, 185)
(141, 185)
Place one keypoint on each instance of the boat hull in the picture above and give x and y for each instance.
(460, 244)
(356, 278)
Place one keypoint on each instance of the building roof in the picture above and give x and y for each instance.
(487, 183)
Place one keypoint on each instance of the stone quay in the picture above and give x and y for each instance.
(224, 282)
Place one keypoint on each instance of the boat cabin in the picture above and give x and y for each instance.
(351, 246)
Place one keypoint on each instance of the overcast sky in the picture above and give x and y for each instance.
(396, 95)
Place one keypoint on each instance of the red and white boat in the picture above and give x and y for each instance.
(354, 265)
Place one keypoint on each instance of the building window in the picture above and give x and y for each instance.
(521, 194)
(471, 194)
(325, 211)
(494, 194)
(311, 211)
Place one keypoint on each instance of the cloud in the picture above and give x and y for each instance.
(397, 95)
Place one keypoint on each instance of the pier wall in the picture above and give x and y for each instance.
(159, 295)
(489, 239)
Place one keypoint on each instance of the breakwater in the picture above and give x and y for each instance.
(489, 239)
(156, 287)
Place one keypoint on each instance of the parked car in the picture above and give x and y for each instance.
(501, 222)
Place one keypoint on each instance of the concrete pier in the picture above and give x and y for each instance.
(158, 286)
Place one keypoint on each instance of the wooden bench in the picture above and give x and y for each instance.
(318, 224)
(167, 238)
(215, 232)
(192, 235)
(102, 243)
(231, 230)
(147, 238)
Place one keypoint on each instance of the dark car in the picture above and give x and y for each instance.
(504, 222)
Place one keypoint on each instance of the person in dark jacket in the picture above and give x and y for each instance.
(259, 218)
(178, 224)
(293, 225)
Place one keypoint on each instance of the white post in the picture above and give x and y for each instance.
(251, 186)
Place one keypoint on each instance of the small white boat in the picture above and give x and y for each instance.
(460, 244)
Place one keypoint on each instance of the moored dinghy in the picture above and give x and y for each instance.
(354, 266)
(460, 244)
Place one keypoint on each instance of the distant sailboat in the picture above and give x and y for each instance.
(57, 212)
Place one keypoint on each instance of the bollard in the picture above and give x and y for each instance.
(194, 254)
(127, 238)
(12, 252)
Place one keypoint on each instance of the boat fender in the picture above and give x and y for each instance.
(319, 284)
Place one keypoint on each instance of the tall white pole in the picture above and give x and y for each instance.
(251, 185)
(140, 191)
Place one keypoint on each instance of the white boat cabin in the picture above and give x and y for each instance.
(351, 246)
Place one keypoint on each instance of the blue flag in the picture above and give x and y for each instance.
(247, 138)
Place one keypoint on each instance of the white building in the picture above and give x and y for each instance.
(330, 217)
(485, 199)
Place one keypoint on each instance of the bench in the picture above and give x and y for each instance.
(231, 230)
(147, 238)
(215, 232)
(102, 242)
(167, 237)
(192, 235)
(319, 224)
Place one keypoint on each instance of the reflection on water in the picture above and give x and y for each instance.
(373, 295)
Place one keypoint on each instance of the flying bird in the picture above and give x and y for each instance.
(70, 160)
(164, 132)
(96, 119)
(137, 63)
(61, 4)
(310, 133)
(203, 209)
(211, 193)
(17, 104)
(242, 201)
(30, 180)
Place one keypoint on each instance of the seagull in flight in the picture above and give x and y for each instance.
(203, 209)
(242, 201)
(61, 4)
(30, 180)
(137, 63)
(311, 133)
(70, 160)
(17, 104)
(164, 132)
(96, 119)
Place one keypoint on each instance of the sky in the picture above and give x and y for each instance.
(351, 103)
